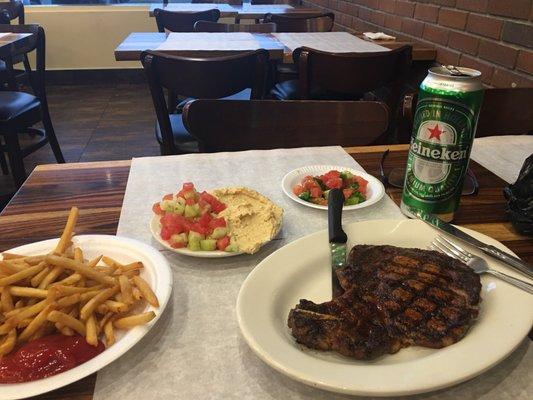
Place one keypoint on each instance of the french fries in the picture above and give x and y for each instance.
(63, 292)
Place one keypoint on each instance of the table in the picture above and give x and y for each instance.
(245, 11)
(130, 49)
(41, 206)
(135, 43)
(13, 42)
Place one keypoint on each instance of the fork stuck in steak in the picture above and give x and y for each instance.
(393, 297)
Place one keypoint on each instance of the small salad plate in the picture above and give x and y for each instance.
(373, 193)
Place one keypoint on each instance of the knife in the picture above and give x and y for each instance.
(337, 238)
(492, 251)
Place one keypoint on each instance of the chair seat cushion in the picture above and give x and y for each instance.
(182, 138)
(15, 104)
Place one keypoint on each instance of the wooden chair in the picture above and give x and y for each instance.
(268, 124)
(301, 22)
(15, 10)
(19, 111)
(504, 111)
(206, 26)
(182, 21)
(201, 78)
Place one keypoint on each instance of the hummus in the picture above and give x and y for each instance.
(252, 218)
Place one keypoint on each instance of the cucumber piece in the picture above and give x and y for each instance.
(190, 194)
(181, 200)
(346, 175)
(219, 233)
(179, 208)
(167, 205)
(194, 245)
(305, 195)
(179, 238)
(208, 244)
(195, 236)
(192, 211)
(354, 199)
(232, 247)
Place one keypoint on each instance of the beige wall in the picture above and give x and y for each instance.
(85, 37)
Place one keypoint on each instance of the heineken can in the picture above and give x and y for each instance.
(443, 132)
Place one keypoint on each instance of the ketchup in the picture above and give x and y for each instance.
(45, 357)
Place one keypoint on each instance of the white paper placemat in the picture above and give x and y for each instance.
(503, 155)
(195, 351)
(200, 41)
(334, 42)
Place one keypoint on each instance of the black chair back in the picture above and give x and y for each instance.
(203, 78)
(15, 10)
(267, 124)
(301, 22)
(206, 26)
(182, 21)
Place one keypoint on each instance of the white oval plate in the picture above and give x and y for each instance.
(155, 228)
(156, 272)
(301, 270)
(375, 189)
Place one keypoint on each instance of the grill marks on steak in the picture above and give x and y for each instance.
(393, 298)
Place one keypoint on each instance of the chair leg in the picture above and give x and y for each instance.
(51, 135)
(3, 163)
(15, 159)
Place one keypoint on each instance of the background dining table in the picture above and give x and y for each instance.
(278, 44)
(41, 206)
(13, 42)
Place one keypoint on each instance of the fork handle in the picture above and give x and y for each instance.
(528, 287)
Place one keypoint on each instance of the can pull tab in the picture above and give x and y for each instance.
(454, 70)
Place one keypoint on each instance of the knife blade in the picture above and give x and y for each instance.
(492, 251)
(337, 238)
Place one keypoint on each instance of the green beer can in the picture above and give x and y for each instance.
(443, 132)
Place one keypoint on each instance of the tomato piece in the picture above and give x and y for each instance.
(196, 227)
(190, 201)
(334, 183)
(223, 243)
(298, 190)
(216, 205)
(330, 174)
(169, 196)
(177, 245)
(217, 223)
(316, 192)
(156, 208)
(187, 186)
(347, 193)
(165, 233)
(205, 219)
(362, 184)
(172, 223)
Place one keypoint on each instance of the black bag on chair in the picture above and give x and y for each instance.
(520, 199)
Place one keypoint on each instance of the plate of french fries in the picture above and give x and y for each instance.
(104, 288)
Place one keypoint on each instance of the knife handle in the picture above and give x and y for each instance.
(335, 204)
(514, 262)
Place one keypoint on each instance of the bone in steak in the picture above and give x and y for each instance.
(393, 297)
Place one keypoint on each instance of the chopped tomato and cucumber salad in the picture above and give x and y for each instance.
(315, 189)
(189, 219)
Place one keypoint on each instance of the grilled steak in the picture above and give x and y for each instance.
(393, 298)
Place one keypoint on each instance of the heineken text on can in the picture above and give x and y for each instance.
(443, 131)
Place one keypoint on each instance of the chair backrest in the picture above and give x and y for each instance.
(15, 10)
(296, 22)
(201, 78)
(505, 111)
(350, 73)
(266, 124)
(206, 26)
(182, 21)
(36, 42)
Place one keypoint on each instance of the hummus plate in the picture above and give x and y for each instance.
(155, 228)
(374, 191)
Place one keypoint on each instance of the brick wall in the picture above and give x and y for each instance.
(493, 36)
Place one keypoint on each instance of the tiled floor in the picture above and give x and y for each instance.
(95, 123)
